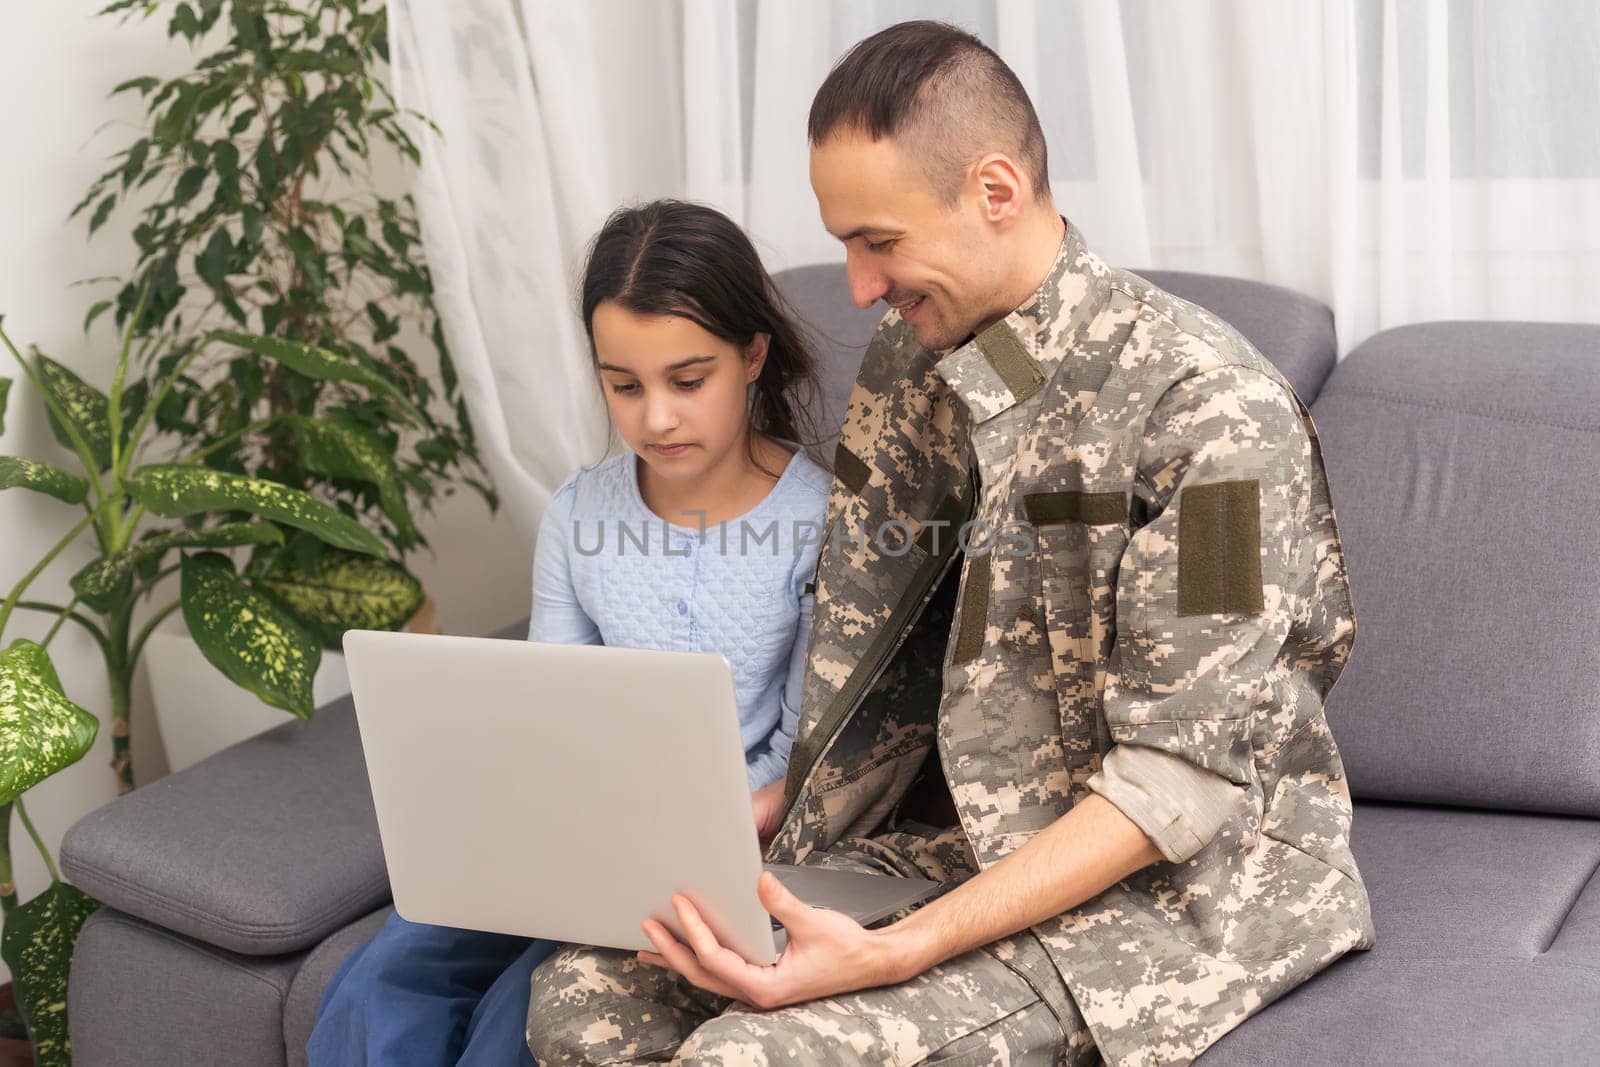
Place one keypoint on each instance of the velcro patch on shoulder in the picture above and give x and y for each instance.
(1219, 548)
(1011, 361)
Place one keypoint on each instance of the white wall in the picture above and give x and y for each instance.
(57, 63)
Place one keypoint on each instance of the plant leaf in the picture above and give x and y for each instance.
(323, 365)
(85, 407)
(340, 591)
(344, 448)
(143, 85)
(248, 636)
(174, 490)
(41, 731)
(5, 387)
(37, 946)
(19, 473)
(105, 581)
(102, 212)
(189, 183)
(95, 312)
(212, 262)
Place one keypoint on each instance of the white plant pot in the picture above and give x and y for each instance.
(201, 713)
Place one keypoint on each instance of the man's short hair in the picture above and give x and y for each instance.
(941, 92)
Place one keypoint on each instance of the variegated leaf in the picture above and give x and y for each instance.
(343, 448)
(37, 946)
(41, 731)
(248, 636)
(340, 591)
(173, 490)
(19, 473)
(323, 365)
(84, 406)
(105, 581)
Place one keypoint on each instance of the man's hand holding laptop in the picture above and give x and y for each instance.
(828, 953)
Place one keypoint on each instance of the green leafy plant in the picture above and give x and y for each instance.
(264, 408)
(251, 182)
(314, 572)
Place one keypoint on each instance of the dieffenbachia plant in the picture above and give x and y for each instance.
(312, 572)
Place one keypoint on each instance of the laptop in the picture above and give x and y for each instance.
(568, 791)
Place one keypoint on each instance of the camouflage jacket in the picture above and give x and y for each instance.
(1152, 604)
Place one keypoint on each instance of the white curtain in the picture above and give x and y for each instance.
(1400, 160)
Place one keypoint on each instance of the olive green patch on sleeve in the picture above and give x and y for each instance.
(1219, 548)
(974, 609)
(1011, 361)
(1053, 509)
(851, 470)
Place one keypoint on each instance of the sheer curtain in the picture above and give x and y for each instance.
(1400, 160)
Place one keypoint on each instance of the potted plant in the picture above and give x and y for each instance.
(266, 437)
(153, 510)
(256, 212)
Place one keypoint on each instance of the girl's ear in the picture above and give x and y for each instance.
(755, 356)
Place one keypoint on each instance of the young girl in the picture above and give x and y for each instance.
(702, 537)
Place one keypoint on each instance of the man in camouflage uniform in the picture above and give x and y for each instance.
(1118, 673)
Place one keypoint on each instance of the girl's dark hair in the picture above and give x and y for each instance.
(671, 257)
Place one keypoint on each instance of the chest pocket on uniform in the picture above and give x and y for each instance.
(1081, 536)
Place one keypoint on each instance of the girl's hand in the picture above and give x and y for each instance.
(768, 804)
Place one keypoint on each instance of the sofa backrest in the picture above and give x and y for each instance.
(1464, 464)
(1292, 330)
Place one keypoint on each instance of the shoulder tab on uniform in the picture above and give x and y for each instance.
(1010, 359)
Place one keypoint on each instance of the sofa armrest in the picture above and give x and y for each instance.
(265, 848)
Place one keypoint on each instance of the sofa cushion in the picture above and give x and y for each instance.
(1480, 884)
(266, 847)
(838, 332)
(139, 994)
(1424, 1013)
(1488, 949)
(1461, 458)
(311, 980)
(1292, 330)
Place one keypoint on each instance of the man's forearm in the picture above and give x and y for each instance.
(1075, 858)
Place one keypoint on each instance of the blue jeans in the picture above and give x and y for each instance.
(429, 996)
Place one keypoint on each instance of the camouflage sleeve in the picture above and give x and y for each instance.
(1204, 602)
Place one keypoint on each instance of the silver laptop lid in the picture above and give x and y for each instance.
(560, 791)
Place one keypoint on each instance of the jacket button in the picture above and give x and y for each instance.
(683, 607)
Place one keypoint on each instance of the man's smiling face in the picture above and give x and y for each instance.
(904, 244)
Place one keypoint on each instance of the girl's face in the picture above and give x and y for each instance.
(677, 393)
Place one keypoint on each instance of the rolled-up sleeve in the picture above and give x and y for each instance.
(1206, 594)
(1179, 807)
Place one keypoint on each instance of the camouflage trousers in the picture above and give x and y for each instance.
(1003, 1003)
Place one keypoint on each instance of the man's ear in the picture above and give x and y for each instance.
(1002, 187)
(755, 355)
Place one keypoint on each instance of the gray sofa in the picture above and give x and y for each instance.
(1463, 461)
